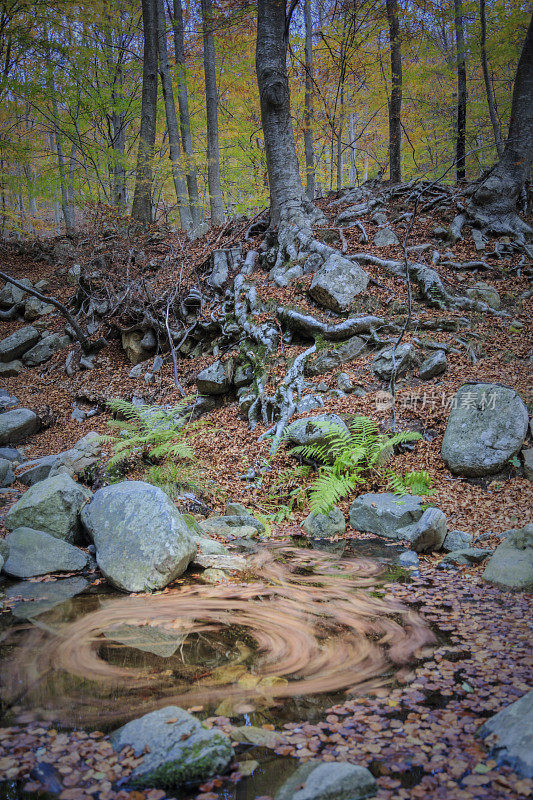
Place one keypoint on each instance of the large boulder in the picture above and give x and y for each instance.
(386, 514)
(511, 566)
(318, 780)
(510, 735)
(52, 506)
(328, 360)
(337, 283)
(37, 553)
(17, 424)
(176, 748)
(18, 343)
(486, 427)
(142, 542)
(215, 379)
(45, 349)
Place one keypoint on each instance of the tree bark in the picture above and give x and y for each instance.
(211, 98)
(486, 77)
(308, 113)
(288, 202)
(494, 202)
(185, 118)
(395, 102)
(460, 159)
(173, 128)
(144, 176)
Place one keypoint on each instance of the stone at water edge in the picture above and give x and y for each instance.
(330, 524)
(386, 513)
(17, 425)
(511, 566)
(317, 780)
(18, 343)
(468, 555)
(34, 553)
(179, 748)
(142, 542)
(428, 533)
(337, 283)
(511, 732)
(486, 427)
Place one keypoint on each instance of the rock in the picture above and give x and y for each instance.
(238, 520)
(11, 295)
(222, 260)
(344, 383)
(379, 218)
(215, 379)
(1, 562)
(426, 534)
(337, 283)
(236, 510)
(30, 472)
(405, 358)
(37, 598)
(511, 735)
(313, 430)
(322, 525)
(386, 238)
(408, 559)
(7, 401)
(312, 263)
(7, 476)
(131, 344)
(385, 514)
(479, 239)
(74, 275)
(254, 735)
(45, 349)
(334, 780)
(35, 308)
(142, 542)
(221, 562)
(176, 748)
(527, 457)
(18, 343)
(10, 369)
(146, 638)
(328, 360)
(149, 341)
(244, 375)
(486, 427)
(310, 402)
(511, 566)
(434, 365)
(484, 292)
(468, 555)
(52, 506)
(284, 276)
(209, 547)
(457, 540)
(11, 454)
(217, 526)
(34, 552)
(17, 425)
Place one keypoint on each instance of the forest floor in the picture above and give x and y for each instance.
(418, 737)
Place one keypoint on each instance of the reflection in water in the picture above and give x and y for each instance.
(305, 625)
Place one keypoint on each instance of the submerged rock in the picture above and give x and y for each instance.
(176, 747)
(511, 735)
(317, 780)
(36, 598)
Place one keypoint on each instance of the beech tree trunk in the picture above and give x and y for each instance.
(486, 77)
(494, 202)
(288, 202)
(185, 118)
(308, 113)
(172, 120)
(395, 103)
(144, 176)
(211, 97)
(460, 161)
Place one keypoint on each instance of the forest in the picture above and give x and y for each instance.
(266, 419)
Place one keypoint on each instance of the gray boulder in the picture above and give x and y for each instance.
(337, 283)
(11, 368)
(385, 514)
(484, 292)
(70, 462)
(313, 430)
(38, 469)
(11, 295)
(434, 365)
(328, 360)
(142, 542)
(469, 555)
(52, 506)
(45, 349)
(426, 534)
(7, 476)
(511, 566)
(11, 454)
(457, 540)
(7, 401)
(385, 238)
(18, 343)
(511, 735)
(34, 552)
(405, 358)
(527, 456)
(176, 748)
(209, 547)
(34, 308)
(215, 379)
(486, 427)
(318, 780)
(17, 424)
(330, 524)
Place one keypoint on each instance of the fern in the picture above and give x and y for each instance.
(416, 481)
(349, 458)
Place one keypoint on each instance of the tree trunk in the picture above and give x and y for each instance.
(339, 140)
(144, 176)
(308, 114)
(353, 149)
(185, 118)
(172, 120)
(395, 102)
(494, 202)
(486, 77)
(460, 161)
(211, 99)
(287, 199)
